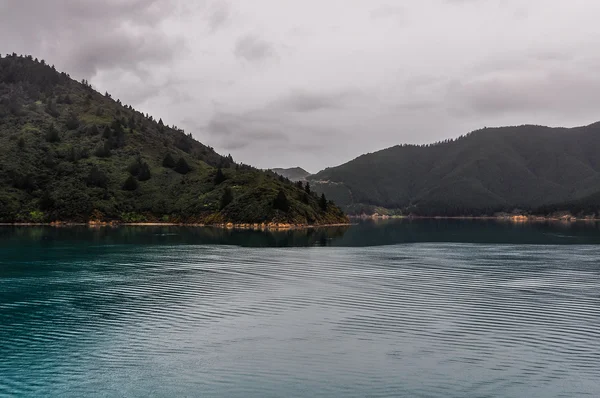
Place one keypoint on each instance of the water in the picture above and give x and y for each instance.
(421, 309)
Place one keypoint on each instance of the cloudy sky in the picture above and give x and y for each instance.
(315, 83)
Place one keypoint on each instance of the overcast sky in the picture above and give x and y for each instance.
(315, 83)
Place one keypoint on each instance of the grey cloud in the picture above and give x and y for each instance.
(262, 129)
(303, 101)
(122, 51)
(417, 105)
(557, 91)
(253, 48)
(388, 11)
(463, 1)
(174, 89)
(219, 14)
(82, 36)
(236, 131)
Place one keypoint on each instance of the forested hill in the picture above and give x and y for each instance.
(69, 153)
(532, 168)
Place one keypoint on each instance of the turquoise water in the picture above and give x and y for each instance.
(419, 309)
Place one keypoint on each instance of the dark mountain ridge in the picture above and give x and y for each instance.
(533, 168)
(293, 173)
(69, 153)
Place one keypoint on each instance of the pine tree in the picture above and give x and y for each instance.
(219, 177)
(182, 167)
(130, 184)
(107, 133)
(46, 201)
(118, 136)
(307, 188)
(93, 130)
(323, 202)
(52, 134)
(168, 161)
(103, 150)
(305, 198)
(135, 166)
(144, 173)
(72, 122)
(227, 198)
(281, 201)
(72, 155)
(97, 178)
(51, 108)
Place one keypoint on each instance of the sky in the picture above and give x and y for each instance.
(316, 83)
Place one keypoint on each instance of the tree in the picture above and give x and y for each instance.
(130, 184)
(182, 167)
(168, 161)
(140, 169)
(46, 201)
(51, 108)
(219, 177)
(227, 198)
(323, 202)
(118, 136)
(305, 198)
(49, 160)
(72, 122)
(103, 150)
(21, 143)
(281, 201)
(107, 133)
(72, 154)
(307, 188)
(97, 178)
(144, 173)
(93, 130)
(52, 134)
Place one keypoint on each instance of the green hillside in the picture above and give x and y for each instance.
(69, 153)
(531, 168)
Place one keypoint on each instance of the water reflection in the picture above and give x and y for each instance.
(362, 233)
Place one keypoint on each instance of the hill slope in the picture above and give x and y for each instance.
(489, 170)
(69, 153)
(293, 174)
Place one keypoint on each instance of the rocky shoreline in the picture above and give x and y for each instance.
(504, 217)
(98, 224)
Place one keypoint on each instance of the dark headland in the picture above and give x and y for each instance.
(69, 154)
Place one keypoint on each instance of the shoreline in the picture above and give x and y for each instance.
(246, 226)
(516, 219)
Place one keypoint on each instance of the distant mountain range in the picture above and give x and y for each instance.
(69, 153)
(292, 174)
(531, 168)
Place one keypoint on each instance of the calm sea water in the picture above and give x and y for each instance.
(390, 309)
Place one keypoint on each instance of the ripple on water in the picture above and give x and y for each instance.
(412, 320)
